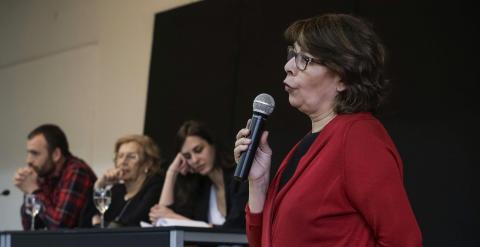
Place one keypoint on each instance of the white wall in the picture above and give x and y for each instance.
(82, 64)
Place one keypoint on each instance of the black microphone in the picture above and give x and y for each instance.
(5, 192)
(263, 106)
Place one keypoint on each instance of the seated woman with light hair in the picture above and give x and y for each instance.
(136, 179)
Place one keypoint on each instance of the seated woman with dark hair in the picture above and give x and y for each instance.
(199, 185)
(136, 180)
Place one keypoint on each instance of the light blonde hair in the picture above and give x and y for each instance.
(149, 150)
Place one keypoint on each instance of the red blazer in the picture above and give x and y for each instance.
(346, 191)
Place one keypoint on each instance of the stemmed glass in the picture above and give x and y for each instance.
(102, 197)
(32, 207)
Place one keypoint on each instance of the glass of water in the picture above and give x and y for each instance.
(102, 197)
(32, 207)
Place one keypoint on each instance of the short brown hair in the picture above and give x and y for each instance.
(149, 150)
(348, 46)
(54, 136)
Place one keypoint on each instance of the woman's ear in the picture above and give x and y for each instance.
(340, 87)
(148, 166)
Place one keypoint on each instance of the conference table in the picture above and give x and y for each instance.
(173, 236)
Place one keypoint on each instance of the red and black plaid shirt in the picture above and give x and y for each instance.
(64, 195)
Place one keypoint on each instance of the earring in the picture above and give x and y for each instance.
(146, 170)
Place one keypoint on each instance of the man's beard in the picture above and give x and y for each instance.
(46, 169)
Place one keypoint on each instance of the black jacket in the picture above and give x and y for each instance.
(236, 195)
(131, 212)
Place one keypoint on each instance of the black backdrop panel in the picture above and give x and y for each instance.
(431, 112)
(210, 59)
(193, 69)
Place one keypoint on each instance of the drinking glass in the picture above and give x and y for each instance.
(102, 198)
(32, 207)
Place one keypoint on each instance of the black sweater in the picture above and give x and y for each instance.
(136, 209)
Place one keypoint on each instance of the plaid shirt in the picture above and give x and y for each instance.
(64, 194)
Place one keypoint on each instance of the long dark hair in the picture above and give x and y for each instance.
(186, 186)
(348, 46)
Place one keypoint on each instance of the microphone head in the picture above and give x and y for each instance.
(264, 104)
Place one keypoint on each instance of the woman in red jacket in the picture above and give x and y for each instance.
(342, 184)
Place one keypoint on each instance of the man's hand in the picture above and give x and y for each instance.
(25, 179)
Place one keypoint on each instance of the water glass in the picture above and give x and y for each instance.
(32, 207)
(102, 197)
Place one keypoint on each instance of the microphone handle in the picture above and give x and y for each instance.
(246, 159)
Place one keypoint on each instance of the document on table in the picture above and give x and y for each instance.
(175, 222)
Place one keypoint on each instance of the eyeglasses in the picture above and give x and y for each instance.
(127, 157)
(301, 60)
